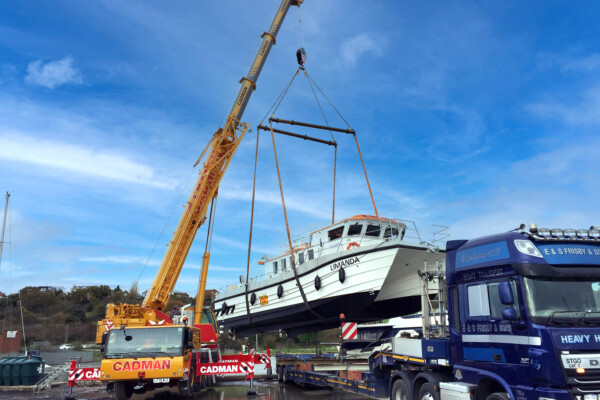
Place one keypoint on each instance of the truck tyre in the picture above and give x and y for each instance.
(399, 391)
(187, 391)
(428, 392)
(192, 381)
(123, 390)
(498, 396)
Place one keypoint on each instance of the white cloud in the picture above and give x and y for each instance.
(582, 113)
(555, 188)
(270, 197)
(359, 45)
(117, 260)
(583, 64)
(101, 163)
(53, 74)
(219, 268)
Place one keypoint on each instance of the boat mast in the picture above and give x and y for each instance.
(3, 226)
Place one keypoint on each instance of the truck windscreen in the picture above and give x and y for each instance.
(145, 342)
(563, 302)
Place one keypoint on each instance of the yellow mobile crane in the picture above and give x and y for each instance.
(142, 347)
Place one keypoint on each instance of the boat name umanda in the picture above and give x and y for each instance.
(345, 263)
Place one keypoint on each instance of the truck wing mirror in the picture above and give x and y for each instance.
(189, 338)
(510, 314)
(506, 294)
(103, 343)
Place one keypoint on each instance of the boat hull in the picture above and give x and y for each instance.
(379, 282)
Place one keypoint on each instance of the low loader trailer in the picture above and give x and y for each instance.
(523, 323)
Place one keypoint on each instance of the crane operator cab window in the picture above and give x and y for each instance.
(209, 318)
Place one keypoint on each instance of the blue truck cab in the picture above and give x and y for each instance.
(524, 314)
(523, 323)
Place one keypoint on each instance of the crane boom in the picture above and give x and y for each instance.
(249, 81)
(219, 152)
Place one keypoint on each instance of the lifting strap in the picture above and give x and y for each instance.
(287, 227)
(332, 138)
(310, 79)
(274, 106)
(250, 237)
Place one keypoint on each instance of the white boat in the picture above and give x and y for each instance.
(363, 267)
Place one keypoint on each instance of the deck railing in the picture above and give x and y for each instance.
(408, 228)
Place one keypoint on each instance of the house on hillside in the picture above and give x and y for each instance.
(40, 289)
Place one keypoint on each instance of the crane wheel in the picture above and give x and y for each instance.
(123, 390)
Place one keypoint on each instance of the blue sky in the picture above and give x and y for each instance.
(478, 116)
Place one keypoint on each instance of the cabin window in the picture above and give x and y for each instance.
(311, 254)
(390, 233)
(283, 264)
(373, 230)
(479, 304)
(354, 229)
(301, 258)
(274, 267)
(335, 233)
(370, 335)
(484, 300)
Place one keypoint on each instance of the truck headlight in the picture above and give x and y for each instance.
(591, 396)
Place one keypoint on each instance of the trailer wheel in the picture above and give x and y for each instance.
(399, 390)
(123, 390)
(498, 396)
(428, 392)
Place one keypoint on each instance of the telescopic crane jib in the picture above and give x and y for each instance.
(219, 153)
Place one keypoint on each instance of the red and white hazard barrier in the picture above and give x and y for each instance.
(349, 330)
(82, 374)
(109, 325)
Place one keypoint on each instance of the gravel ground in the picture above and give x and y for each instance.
(267, 390)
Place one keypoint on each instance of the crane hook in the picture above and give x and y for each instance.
(301, 57)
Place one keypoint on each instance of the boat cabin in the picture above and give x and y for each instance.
(349, 233)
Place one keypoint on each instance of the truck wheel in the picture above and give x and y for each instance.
(498, 396)
(428, 392)
(187, 391)
(192, 383)
(123, 390)
(399, 390)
